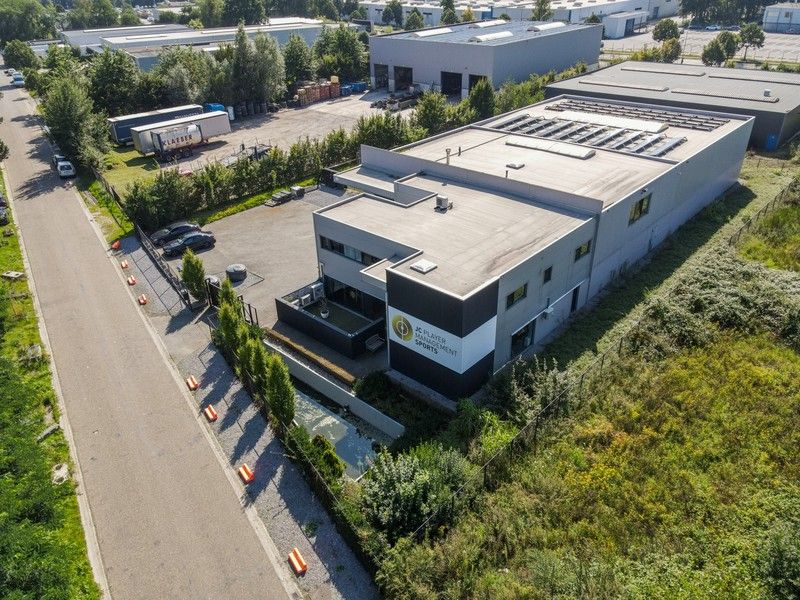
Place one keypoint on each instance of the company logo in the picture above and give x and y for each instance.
(402, 328)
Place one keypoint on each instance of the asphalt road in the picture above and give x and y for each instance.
(168, 521)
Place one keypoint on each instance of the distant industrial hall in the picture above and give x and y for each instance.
(468, 249)
(453, 59)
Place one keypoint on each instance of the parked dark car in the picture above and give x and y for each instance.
(198, 240)
(3, 201)
(3, 216)
(173, 232)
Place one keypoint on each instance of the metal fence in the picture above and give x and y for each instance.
(570, 397)
(166, 270)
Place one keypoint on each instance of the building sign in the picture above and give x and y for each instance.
(456, 353)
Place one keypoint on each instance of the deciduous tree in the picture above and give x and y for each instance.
(481, 98)
(670, 50)
(541, 11)
(19, 55)
(211, 12)
(298, 60)
(113, 82)
(751, 36)
(250, 12)
(713, 53)
(666, 29)
(467, 16)
(128, 16)
(729, 42)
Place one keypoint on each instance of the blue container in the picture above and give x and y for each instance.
(346, 90)
(359, 86)
(772, 142)
(212, 106)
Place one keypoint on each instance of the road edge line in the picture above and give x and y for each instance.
(84, 506)
(259, 527)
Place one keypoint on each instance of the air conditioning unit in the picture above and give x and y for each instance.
(442, 203)
(317, 291)
(305, 300)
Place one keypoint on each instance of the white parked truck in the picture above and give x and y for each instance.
(180, 136)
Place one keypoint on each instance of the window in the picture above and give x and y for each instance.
(583, 250)
(347, 251)
(517, 295)
(548, 274)
(576, 294)
(639, 209)
(788, 15)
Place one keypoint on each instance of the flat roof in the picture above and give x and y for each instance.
(518, 182)
(492, 32)
(482, 236)
(784, 5)
(92, 37)
(189, 36)
(715, 88)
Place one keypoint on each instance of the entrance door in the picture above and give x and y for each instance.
(381, 76)
(403, 78)
(655, 12)
(576, 293)
(451, 83)
(523, 338)
(629, 26)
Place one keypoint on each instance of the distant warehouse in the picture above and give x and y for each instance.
(452, 59)
(469, 248)
(772, 98)
(782, 18)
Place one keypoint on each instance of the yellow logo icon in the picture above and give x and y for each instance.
(402, 328)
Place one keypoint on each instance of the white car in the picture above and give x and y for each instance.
(65, 169)
(713, 28)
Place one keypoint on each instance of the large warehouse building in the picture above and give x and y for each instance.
(476, 244)
(782, 18)
(772, 98)
(452, 59)
(90, 41)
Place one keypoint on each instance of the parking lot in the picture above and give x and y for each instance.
(777, 46)
(281, 129)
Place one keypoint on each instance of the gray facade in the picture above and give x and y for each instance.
(478, 243)
(772, 98)
(452, 59)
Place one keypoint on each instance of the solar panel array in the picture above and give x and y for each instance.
(673, 118)
(597, 135)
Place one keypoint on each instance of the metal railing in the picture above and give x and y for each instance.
(166, 270)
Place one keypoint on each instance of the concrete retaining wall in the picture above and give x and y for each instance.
(340, 395)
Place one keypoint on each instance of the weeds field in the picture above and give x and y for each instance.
(776, 240)
(42, 547)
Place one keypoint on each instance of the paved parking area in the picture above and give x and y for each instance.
(285, 127)
(276, 244)
(777, 46)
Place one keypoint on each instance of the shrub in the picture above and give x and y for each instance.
(281, 392)
(398, 495)
(780, 567)
(193, 275)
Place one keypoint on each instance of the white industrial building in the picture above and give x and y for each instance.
(569, 11)
(471, 247)
(782, 18)
(90, 41)
(452, 59)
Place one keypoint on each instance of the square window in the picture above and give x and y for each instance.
(583, 250)
(548, 274)
(639, 209)
(517, 295)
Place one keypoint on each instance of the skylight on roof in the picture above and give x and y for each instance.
(492, 23)
(632, 86)
(560, 148)
(422, 33)
(487, 37)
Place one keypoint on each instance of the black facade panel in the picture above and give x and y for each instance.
(440, 309)
(430, 305)
(479, 308)
(439, 378)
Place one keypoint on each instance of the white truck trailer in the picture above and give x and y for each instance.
(180, 136)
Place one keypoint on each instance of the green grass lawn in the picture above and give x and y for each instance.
(107, 213)
(215, 214)
(42, 546)
(125, 165)
(775, 241)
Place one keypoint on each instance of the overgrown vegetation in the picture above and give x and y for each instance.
(113, 221)
(775, 241)
(42, 548)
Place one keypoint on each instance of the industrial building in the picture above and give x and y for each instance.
(90, 41)
(452, 59)
(782, 18)
(569, 11)
(772, 98)
(468, 249)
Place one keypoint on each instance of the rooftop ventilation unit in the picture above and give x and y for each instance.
(515, 165)
(547, 26)
(423, 266)
(442, 203)
(488, 37)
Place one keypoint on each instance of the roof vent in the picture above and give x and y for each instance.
(515, 165)
(442, 203)
(423, 266)
(767, 93)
